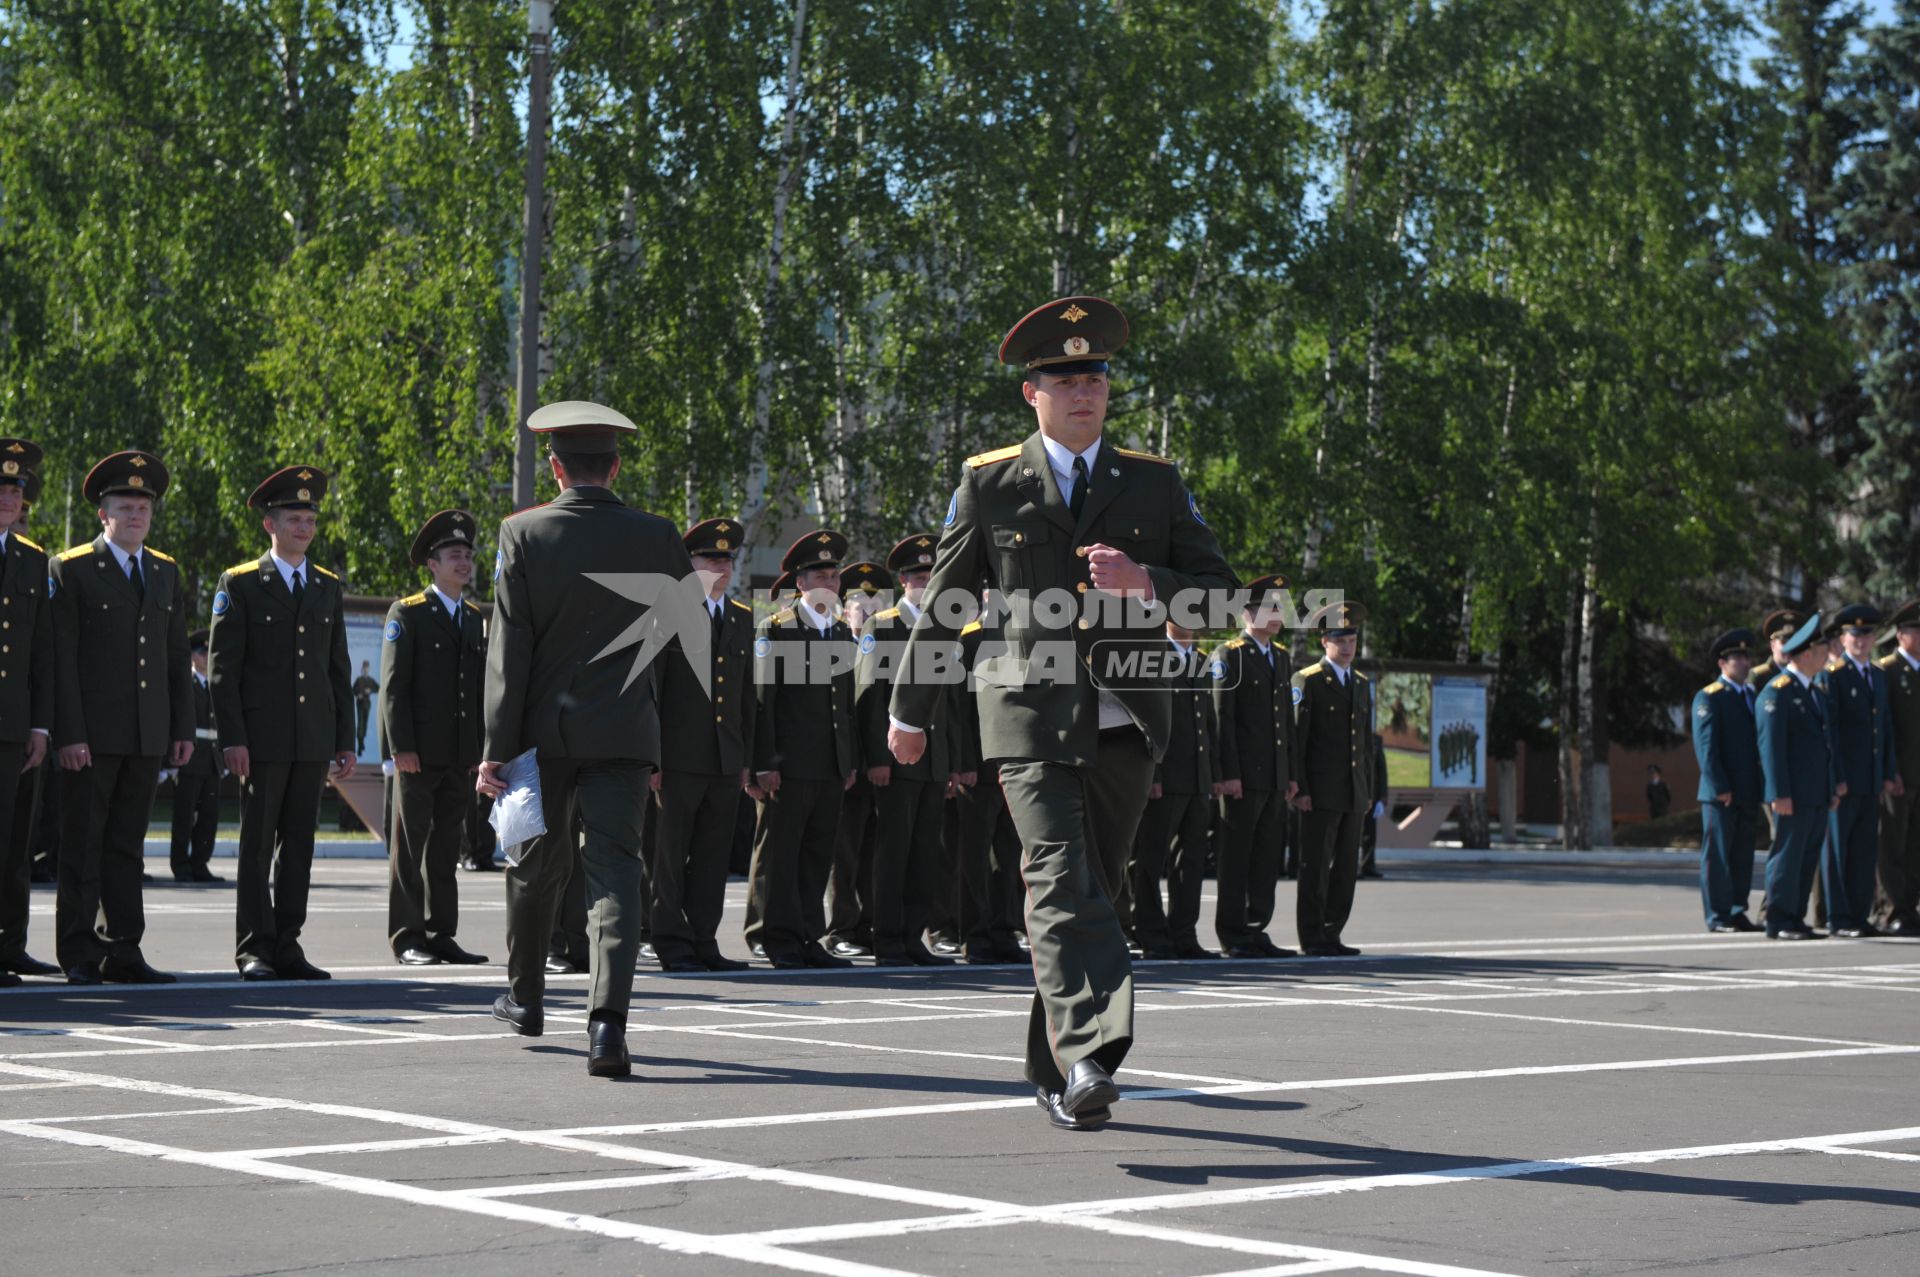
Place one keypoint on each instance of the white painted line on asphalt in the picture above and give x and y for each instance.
(220, 1109)
(593, 1185)
(1616, 1024)
(210, 1048)
(666, 1239)
(1874, 1152)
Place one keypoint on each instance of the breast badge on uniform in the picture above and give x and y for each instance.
(221, 602)
(393, 630)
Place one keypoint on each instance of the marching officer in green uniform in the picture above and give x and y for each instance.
(1253, 716)
(1726, 742)
(806, 752)
(561, 680)
(196, 784)
(123, 709)
(1067, 515)
(432, 660)
(864, 588)
(1897, 901)
(26, 698)
(911, 797)
(1796, 760)
(283, 705)
(1864, 768)
(1173, 831)
(702, 779)
(1333, 733)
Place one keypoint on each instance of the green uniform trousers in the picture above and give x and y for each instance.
(1076, 828)
(610, 796)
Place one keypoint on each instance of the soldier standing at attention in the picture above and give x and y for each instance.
(560, 679)
(1066, 514)
(1861, 719)
(431, 664)
(907, 853)
(1173, 830)
(365, 688)
(1897, 900)
(196, 785)
(1253, 714)
(703, 777)
(1796, 760)
(1333, 729)
(123, 709)
(1726, 742)
(282, 703)
(849, 914)
(26, 701)
(805, 755)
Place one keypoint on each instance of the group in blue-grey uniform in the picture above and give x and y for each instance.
(1796, 759)
(1860, 720)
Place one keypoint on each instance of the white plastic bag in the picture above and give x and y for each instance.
(518, 815)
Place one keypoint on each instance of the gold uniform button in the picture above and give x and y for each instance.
(1085, 624)
(303, 700)
(1081, 587)
(143, 682)
(720, 660)
(720, 678)
(301, 628)
(1018, 537)
(717, 718)
(303, 673)
(143, 638)
(143, 660)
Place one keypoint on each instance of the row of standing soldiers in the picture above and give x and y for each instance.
(1827, 738)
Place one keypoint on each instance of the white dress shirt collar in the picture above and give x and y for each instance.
(1060, 457)
(121, 556)
(446, 601)
(287, 570)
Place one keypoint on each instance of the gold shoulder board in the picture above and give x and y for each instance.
(998, 454)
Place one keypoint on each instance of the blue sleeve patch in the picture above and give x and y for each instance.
(867, 644)
(221, 603)
(499, 563)
(1299, 694)
(953, 508)
(762, 646)
(1193, 507)
(52, 586)
(393, 630)
(1217, 670)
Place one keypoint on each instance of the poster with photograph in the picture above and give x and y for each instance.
(363, 655)
(1458, 733)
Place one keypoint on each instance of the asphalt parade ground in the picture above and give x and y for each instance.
(1531, 1070)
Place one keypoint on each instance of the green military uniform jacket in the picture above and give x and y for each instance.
(1192, 761)
(26, 642)
(1333, 734)
(710, 732)
(552, 682)
(1253, 714)
(431, 670)
(123, 678)
(883, 644)
(1903, 691)
(804, 725)
(1008, 527)
(282, 682)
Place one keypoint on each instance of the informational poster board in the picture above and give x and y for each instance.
(363, 653)
(1458, 733)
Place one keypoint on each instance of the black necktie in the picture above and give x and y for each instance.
(299, 589)
(1078, 500)
(133, 575)
(713, 627)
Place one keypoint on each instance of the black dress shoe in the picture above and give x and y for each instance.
(1193, 952)
(417, 957)
(1855, 933)
(818, 957)
(886, 959)
(758, 950)
(1244, 951)
(926, 958)
(561, 966)
(300, 969)
(1897, 927)
(945, 945)
(1325, 951)
(1789, 933)
(1718, 927)
(976, 957)
(715, 962)
(254, 969)
(1060, 1118)
(206, 875)
(790, 961)
(528, 1022)
(607, 1049)
(451, 952)
(132, 970)
(648, 952)
(8, 979)
(1371, 873)
(1271, 949)
(1088, 1087)
(683, 966)
(848, 949)
(1740, 922)
(1160, 953)
(83, 973)
(27, 964)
